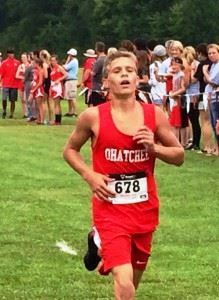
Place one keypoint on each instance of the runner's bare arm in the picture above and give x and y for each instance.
(169, 149)
(65, 74)
(84, 130)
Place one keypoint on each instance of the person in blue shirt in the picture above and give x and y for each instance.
(71, 67)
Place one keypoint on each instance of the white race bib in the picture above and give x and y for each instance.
(129, 188)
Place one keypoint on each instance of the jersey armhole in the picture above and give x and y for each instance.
(93, 144)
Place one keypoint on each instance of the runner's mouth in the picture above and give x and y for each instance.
(125, 82)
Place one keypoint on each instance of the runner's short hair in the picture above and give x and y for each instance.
(118, 54)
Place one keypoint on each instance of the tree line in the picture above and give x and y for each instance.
(58, 25)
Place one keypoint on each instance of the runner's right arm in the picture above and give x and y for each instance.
(83, 131)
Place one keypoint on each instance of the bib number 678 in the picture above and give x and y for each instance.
(127, 186)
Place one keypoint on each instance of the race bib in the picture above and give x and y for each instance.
(129, 188)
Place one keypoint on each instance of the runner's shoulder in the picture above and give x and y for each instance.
(89, 116)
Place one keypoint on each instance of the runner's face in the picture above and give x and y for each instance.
(213, 54)
(122, 77)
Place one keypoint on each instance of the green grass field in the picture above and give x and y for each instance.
(43, 201)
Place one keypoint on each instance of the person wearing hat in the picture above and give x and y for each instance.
(86, 73)
(158, 88)
(10, 84)
(71, 67)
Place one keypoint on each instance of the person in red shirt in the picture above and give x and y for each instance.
(10, 84)
(86, 74)
(127, 136)
(0, 71)
(56, 92)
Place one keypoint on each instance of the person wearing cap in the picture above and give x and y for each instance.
(86, 73)
(158, 88)
(10, 84)
(71, 67)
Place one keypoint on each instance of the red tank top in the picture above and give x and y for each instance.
(55, 73)
(116, 153)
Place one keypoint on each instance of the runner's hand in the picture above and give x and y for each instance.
(146, 137)
(98, 185)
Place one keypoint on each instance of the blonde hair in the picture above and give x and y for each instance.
(44, 55)
(189, 54)
(216, 46)
(177, 45)
(111, 50)
(168, 43)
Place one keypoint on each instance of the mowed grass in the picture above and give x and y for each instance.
(43, 201)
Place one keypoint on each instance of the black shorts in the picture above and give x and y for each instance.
(96, 98)
(184, 114)
(9, 94)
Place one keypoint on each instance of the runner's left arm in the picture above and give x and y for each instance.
(163, 143)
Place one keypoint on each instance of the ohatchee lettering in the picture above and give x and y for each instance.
(131, 156)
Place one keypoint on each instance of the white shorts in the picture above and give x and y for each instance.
(70, 89)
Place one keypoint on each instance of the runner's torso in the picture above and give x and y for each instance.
(117, 155)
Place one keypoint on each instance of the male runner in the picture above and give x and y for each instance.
(127, 136)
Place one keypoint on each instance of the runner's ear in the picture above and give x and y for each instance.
(105, 83)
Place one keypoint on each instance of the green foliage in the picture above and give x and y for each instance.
(60, 24)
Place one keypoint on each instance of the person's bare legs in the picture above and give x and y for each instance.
(71, 107)
(206, 131)
(23, 102)
(51, 110)
(124, 288)
(12, 108)
(74, 107)
(183, 136)
(176, 132)
(40, 106)
(4, 107)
